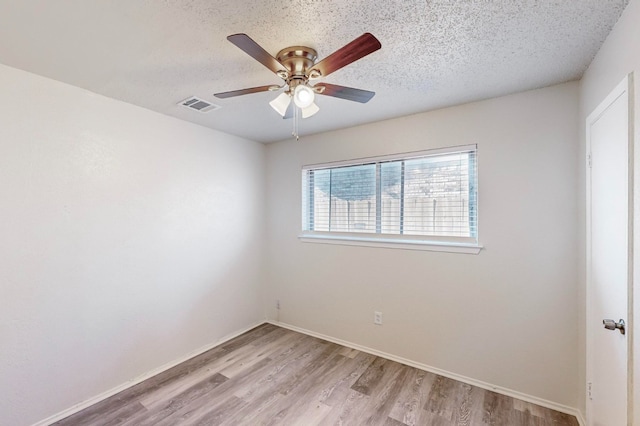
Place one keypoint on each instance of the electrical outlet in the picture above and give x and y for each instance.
(377, 318)
(278, 304)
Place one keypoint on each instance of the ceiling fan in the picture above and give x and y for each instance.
(296, 65)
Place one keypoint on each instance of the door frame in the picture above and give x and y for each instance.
(625, 86)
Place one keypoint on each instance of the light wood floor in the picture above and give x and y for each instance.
(272, 375)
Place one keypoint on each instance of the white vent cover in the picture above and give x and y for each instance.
(198, 104)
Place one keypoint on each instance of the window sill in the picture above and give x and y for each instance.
(448, 247)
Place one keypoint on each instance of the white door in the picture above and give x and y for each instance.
(608, 258)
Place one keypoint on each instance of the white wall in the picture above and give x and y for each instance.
(618, 56)
(128, 239)
(507, 316)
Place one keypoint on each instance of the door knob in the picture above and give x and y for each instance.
(612, 325)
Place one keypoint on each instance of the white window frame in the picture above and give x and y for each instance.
(469, 245)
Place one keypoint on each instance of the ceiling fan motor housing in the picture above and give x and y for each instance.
(297, 60)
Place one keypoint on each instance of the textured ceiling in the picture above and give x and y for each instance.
(435, 53)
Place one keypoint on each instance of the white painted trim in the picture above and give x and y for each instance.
(391, 243)
(484, 385)
(94, 400)
(580, 417)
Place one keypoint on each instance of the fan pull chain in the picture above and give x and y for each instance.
(295, 123)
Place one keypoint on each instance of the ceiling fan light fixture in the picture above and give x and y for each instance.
(303, 96)
(310, 110)
(297, 65)
(281, 103)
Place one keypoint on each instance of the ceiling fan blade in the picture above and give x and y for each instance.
(256, 51)
(231, 94)
(342, 92)
(358, 48)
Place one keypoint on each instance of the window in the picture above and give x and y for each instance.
(423, 198)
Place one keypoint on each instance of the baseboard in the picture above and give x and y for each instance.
(484, 385)
(89, 402)
(581, 419)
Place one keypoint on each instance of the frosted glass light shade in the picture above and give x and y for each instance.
(281, 103)
(303, 96)
(310, 110)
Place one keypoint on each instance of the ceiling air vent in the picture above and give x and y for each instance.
(198, 104)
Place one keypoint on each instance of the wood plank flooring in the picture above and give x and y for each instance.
(274, 376)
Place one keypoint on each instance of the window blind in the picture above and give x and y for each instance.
(425, 194)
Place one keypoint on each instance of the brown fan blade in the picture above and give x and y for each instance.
(358, 48)
(342, 92)
(241, 92)
(256, 51)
